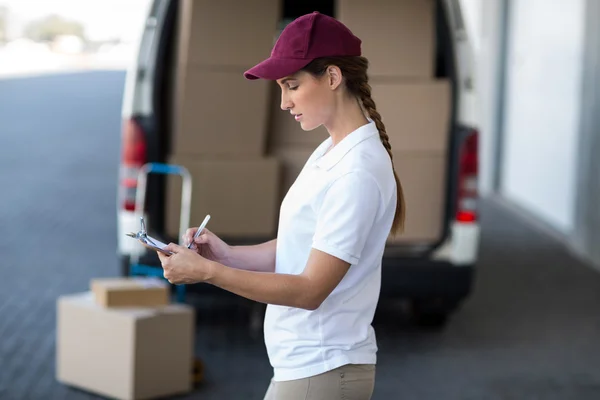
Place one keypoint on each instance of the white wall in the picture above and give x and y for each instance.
(540, 138)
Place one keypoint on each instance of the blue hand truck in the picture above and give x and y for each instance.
(136, 268)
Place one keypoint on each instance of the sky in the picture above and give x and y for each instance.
(103, 19)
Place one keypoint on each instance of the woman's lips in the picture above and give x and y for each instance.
(297, 117)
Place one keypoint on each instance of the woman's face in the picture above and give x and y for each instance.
(309, 99)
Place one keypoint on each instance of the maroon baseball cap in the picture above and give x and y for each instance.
(308, 37)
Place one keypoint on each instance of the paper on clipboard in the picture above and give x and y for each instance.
(155, 244)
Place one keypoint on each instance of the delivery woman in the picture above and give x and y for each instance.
(321, 277)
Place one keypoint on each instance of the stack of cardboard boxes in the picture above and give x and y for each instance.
(220, 119)
(244, 152)
(398, 38)
(125, 340)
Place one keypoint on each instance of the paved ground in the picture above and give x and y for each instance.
(529, 332)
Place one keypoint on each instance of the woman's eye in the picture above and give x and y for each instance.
(293, 87)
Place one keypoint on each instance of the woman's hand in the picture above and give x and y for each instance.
(185, 266)
(208, 245)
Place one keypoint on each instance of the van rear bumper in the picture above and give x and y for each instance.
(426, 279)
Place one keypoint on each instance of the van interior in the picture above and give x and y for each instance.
(240, 178)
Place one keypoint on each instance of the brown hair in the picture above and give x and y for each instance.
(354, 71)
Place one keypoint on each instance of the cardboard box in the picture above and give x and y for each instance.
(423, 179)
(226, 33)
(416, 115)
(292, 160)
(130, 292)
(241, 195)
(398, 36)
(219, 113)
(285, 131)
(130, 353)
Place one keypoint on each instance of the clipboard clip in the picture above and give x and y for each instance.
(143, 237)
(142, 234)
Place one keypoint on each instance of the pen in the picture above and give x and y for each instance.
(200, 229)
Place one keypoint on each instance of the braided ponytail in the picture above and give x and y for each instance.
(354, 70)
(369, 105)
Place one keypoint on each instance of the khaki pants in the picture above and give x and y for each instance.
(348, 382)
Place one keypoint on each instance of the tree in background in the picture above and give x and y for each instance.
(48, 28)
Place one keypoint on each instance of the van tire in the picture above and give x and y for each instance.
(432, 314)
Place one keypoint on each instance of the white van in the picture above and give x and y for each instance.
(434, 276)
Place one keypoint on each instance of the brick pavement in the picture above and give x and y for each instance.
(530, 331)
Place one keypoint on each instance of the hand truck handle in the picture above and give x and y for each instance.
(186, 191)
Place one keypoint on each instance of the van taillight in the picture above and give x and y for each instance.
(467, 179)
(133, 156)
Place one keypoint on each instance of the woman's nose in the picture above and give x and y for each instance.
(286, 104)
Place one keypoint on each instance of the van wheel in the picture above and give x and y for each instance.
(431, 314)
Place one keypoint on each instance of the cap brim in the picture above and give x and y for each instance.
(276, 68)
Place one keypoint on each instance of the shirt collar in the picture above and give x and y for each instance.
(338, 152)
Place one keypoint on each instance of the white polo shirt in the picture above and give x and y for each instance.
(343, 204)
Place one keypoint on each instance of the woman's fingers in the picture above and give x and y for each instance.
(201, 239)
(188, 236)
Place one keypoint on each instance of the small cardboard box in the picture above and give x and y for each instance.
(416, 114)
(219, 113)
(130, 292)
(240, 194)
(226, 33)
(124, 353)
(398, 36)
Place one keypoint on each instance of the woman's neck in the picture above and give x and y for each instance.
(348, 116)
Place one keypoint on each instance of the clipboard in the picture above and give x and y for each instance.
(149, 241)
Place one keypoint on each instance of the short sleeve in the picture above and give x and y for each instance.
(347, 213)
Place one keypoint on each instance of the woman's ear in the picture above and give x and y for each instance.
(334, 76)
